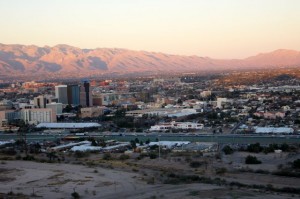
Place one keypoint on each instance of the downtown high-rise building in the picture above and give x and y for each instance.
(40, 102)
(61, 93)
(86, 99)
(73, 92)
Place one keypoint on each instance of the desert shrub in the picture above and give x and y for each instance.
(141, 156)
(9, 151)
(124, 157)
(152, 155)
(296, 164)
(286, 172)
(153, 147)
(252, 160)
(284, 147)
(254, 148)
(107, 156)
(221, 171)
(227, 150)
(262, 171)
(29, 157)
(18, 157)
(195, 164)
(81, 154)
(75, 195)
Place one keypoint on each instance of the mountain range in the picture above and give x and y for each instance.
(65, 59)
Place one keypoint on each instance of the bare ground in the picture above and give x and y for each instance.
(54, 180)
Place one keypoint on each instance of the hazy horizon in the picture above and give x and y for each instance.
(219, 28)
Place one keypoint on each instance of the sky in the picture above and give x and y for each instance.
(213, 28)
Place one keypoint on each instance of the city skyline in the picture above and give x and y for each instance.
(217, 29)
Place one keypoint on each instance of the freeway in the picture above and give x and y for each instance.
(220, 138)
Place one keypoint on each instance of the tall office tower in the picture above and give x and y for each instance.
(86, 99)
(61, 93)
(40, 102)
(73, 94)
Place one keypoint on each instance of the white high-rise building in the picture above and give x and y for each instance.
(38, 115)
(61, 93)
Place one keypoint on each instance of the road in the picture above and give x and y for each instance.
(220, 138)
(239, 124)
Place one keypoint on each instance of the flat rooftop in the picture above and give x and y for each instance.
(67, 125)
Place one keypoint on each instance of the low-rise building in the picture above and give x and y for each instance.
(176, 125)
(274, 130)
(91, 112)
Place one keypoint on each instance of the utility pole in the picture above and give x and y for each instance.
(158, 148)
(25, 140)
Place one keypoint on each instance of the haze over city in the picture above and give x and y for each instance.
(217, 28)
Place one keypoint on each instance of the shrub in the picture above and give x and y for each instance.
(81, 154)
(296, 164)
(9, 151)
(227, 150)
(252, 160)
(195, 164)
(75, 195)
(221, 171)
(254, 148)
(152, 156)
(124, 157)
(107, 156)
(18, 157)
(29, 157)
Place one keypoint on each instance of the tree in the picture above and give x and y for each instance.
(179, 101)
(133, 144)
(68, 108)
(120, 113)
(136, 140)
(94, 143)
(141, 143)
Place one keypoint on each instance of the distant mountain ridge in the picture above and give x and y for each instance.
(30, 59)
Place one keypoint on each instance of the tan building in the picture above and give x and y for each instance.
(91, 112)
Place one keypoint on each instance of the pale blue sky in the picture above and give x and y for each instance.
(214, 28)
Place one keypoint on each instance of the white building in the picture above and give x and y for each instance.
(61, 93)
(56, 108)
(177, 125)
(223, 101)
(274, 130)
(35, 116)
(40, 102)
